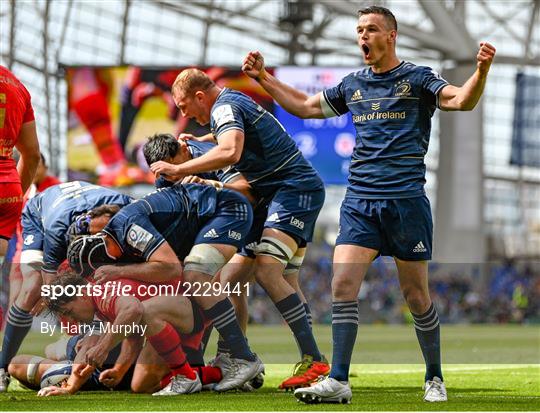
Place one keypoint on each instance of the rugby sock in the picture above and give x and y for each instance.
(429, 337)
(168, 346)
(222, 347)
(17, 326)
(293, 311)
(344, 329)
(224, 318)
(209, 374)
(93, 111)
(308, 315)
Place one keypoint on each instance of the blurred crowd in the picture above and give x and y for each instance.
(506, 291)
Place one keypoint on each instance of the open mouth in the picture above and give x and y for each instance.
(365, 49)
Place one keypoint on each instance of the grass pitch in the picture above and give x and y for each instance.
(487, 368)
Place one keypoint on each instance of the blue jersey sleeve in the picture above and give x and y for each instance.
(226, 117)
(228, 174)
(333, 101)
(432, 82)
(135, 234)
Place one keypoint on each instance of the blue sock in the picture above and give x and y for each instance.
(293, 311)
(17, 326)
(225, 322)
(308, 315)
(429, 337)
(344, 329)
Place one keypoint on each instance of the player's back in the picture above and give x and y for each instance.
(270, 157)
(175, 214)
(58, 204)
(15, 110)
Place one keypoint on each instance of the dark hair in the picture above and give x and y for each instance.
(159, 147)
(107, 209)
(55, 304)
(383, 11)
(81, 223)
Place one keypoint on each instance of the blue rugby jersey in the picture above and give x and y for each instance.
(392, 114)
(197, 149)
(54, 210)
(270, 157)
(174, 214)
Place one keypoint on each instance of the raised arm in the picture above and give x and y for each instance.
(292, 100)
(467, 96)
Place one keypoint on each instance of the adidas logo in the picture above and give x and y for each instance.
(211, 234)
(419, 247)
(356, 95)
(251, 246)
(273, 218)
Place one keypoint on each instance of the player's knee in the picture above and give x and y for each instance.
(205, 259)
(417, 300)
(344, 287)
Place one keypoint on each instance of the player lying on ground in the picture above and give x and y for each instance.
(170, 323)
(46, 220)
(385, 210)
(56, 369)
(199, 225)
(258, 146)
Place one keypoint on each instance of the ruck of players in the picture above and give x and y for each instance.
(238, 205)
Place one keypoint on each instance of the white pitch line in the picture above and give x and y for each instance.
(449, 369)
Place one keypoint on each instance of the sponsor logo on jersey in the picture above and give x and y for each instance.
(376, 106)
(138, 237)
(297, 223)
(357, 95)
(235, 235)
(366, 117)
(211, 234)
(29, 239)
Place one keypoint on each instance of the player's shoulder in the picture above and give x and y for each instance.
(202, 147)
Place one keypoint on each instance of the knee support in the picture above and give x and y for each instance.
(205, 259)
(275, 248)
(294, 264)
(32, 369)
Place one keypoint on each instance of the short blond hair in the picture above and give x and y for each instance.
(192, 80)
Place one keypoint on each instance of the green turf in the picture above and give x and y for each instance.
(482, 386)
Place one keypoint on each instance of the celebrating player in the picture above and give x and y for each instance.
(385, 210)
(196, 224)
(252, 140)
(46, 220)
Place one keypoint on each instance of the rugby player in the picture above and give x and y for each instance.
(252, 140)
(46, 220)
(198, 225)
(17, 129)
(385, 210)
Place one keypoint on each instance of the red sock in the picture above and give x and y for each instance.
(209, 374)
(93, 111)
(168, 346)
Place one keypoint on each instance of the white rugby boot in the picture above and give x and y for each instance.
(180, 384)
(435, 391)
(326, 390)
